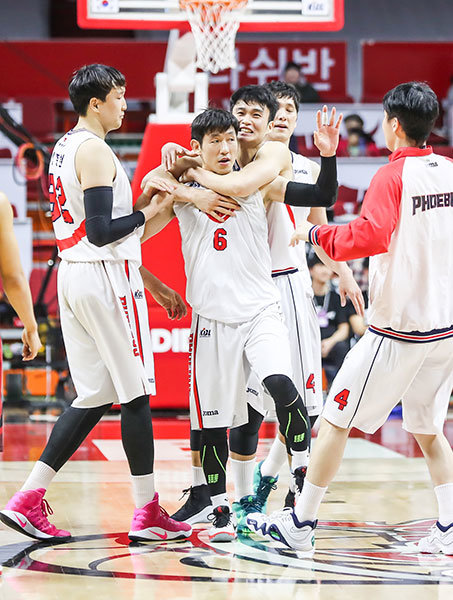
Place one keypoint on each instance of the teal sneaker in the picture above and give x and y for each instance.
(262, 486)
(245, 506)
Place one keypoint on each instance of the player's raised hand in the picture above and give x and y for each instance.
(171, 152)
(214, 204)
(301, 233)
(328, 133)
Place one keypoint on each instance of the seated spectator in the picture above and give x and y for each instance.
(293, 74)
(353, 121)
(332, 317)
(358, 143)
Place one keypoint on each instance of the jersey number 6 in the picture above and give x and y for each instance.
(220, 241)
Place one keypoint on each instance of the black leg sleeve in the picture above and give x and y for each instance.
(69, 432)
(195, 440)
(214, 457)
(137, 435)
(291, 412)
(244, 439)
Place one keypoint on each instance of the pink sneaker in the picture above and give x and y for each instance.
(152, 522)
(27, 512)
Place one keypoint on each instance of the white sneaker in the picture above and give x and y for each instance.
(440, 539)
(284, 527)
(223, 529)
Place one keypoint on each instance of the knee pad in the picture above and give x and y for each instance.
(281, 388)
(214, 437)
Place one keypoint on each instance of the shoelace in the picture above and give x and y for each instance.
(219, 519)
(41, 520)
(185, 492)
(263, 491)
(250, 504)
(45, 508)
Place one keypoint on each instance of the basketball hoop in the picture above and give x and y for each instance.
(214, 25)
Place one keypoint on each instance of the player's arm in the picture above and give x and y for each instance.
(347, 286)
(96, 172)
(14, 281)
(160, 179)
(370, 233)
(270, 160)
(170, 300)
(162, 207)
(321, 193)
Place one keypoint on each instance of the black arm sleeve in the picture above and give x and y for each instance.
(100, 227)
(321, 193)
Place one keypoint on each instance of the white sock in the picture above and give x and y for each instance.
(198, 476)
(143, 489)
(300, 459)
(220, 500)
(444, 495)
(275, 460)
(40, 477)
(242, 472)
(292, 482)
(309, 501)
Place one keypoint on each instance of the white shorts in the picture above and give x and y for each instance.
(104, 319)
(221, 358)
(305, 346)
(379, 372)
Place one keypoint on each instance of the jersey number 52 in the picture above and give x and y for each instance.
(57, 200)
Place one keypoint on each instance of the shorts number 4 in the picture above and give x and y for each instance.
(342, 399)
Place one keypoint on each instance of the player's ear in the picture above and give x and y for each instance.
(94, 104)
(196, 146)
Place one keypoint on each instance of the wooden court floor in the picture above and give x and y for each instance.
(380, 502)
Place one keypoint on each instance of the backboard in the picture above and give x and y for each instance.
(260, 15)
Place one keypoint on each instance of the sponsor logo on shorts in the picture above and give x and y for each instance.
(138, 294)
(210, 413)
(250, 390)
(205, 332)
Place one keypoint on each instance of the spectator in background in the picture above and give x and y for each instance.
(332, 318)
(357, 142)
(353, 122)
(293, 74)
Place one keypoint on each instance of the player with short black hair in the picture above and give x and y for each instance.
(407, 353)
(103, 311)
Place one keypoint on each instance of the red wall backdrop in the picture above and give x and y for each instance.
(386, 64)
(42, 69)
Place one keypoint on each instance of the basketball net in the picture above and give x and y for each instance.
(214, 25)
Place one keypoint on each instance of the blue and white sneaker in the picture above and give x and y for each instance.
(440, 539)
(283, 526)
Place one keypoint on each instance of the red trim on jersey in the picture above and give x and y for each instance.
(194, 376)
(410, 151)
(134, 305)
(291, 215)
(411, 337)
(75, 238)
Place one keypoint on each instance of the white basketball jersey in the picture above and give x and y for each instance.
(411, 285)
(282, 220)
(227, 263)
(68, 212)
